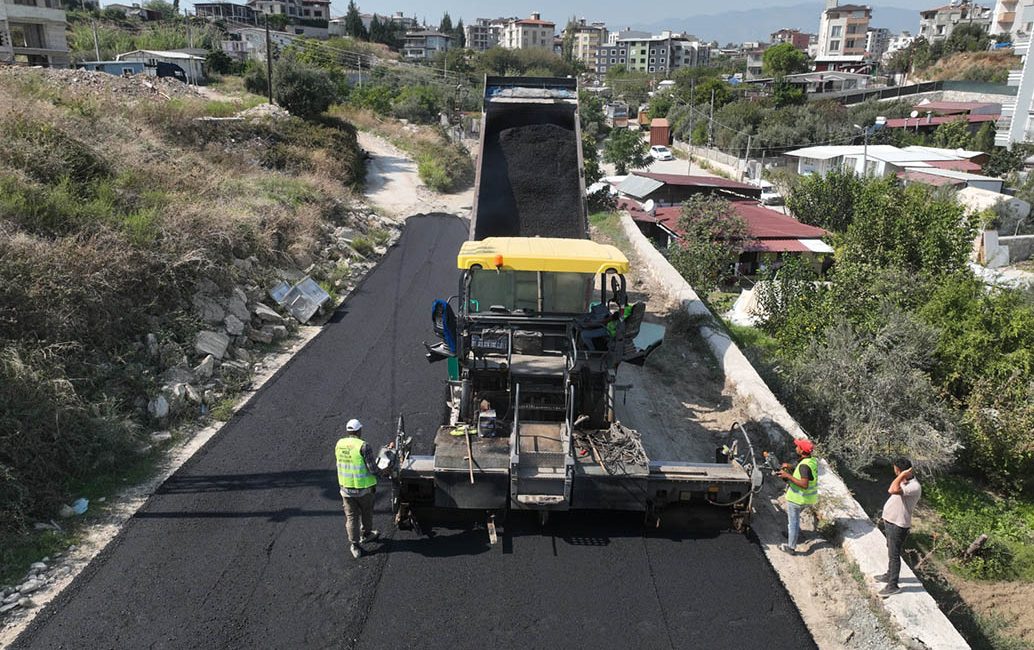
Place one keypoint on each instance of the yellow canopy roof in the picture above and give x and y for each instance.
(542, 254)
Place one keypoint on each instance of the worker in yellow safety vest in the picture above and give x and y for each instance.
(357, 478)
(802, 490)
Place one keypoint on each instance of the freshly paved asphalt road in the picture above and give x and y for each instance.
(245, 546)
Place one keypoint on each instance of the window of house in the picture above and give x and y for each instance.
(651, 69)
(613, 61)
(652, 52)
(835, 31)
(305, 12)
(940, 30)
(621, 61)
(653, 60)
(834, 46)
(27, 3)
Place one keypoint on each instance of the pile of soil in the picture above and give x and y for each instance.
(529, 184)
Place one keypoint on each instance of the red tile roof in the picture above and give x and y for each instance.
(945, 108)
(762, 223)
(929, 179)
(957, 165)
(912, 122)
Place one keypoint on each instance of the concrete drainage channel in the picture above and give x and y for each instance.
(921, 623)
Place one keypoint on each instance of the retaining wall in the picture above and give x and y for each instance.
(914, 610)
(1021, 247)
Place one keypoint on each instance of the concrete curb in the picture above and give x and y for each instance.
(914, 610)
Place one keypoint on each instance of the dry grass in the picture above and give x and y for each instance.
(992, 67)
(113, 208)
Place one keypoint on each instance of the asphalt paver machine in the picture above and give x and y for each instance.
(533, 339)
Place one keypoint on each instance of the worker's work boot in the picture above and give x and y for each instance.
(889, 590)
(357, 551)
(370, 536)
(785, 548)
(883, 577)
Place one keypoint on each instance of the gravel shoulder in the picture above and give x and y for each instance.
(393, 184)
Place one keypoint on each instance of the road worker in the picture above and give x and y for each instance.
(357, 478)
(802, 490)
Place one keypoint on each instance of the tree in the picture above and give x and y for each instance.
(783, 59)
(825, 201)
(591, 159)
(418, 104)
(220, 62)
(354, 22)
(166, 9)
(303, 90)
(967, 37)
(953, 135)
(984, 140)
(721, 89)
(788, 94)
(460, 35)
(713, 237)
(277, 22)
(625, 149)
(376, 32)
(660, 105)
(567, 49)
(590, 113)
(445, 26)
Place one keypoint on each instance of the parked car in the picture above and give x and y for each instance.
(769, 194)
(660, 152)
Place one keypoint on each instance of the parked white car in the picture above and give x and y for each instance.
(769, 194)
(658, 152)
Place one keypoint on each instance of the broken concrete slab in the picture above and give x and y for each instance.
(208, 309)
(266, 314)
(234, 325)
(213, 343)
(206, 367)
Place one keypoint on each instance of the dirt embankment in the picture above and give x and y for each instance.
(141, 229)
(990, 67)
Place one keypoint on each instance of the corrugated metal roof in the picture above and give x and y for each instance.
(825, 152)
(639, 186)
(698, 181)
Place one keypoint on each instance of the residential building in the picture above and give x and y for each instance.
(843, 29)
(136, 11)
(794, 37)
(662, 53)
(938, 23)
(250, 43)
(877, 40)
(483, 34)
(32, 32)
(818, 83)
(398, 18)
(886, 160)
(755, 64)
(192, 65)
(423, 45)
(1014, 18)
(1015, 124)
(625, 34)
(117, 68)
(900, 42)
(226, 11)
(528, 33)
(306, 17)
(588, 38)
(675, 189)
(854, 63)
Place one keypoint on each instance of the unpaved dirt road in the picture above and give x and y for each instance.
(244, 546)
(393, 185)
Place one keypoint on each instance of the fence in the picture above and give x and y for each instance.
(858, 96)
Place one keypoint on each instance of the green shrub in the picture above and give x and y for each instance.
(303, 90)
(46, 152)
(445, 166)
(420, 104)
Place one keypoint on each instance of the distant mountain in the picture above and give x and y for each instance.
(758, 24)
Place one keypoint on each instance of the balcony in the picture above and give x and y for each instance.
(1015, 76)
(44, 10)
(1007, 18)
(1020, 48)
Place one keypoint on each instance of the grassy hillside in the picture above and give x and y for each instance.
(118, 201)
(991, 67)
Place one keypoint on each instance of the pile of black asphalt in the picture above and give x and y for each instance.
(529, 183)
(245, 546)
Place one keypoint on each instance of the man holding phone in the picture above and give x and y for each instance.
(904, 493)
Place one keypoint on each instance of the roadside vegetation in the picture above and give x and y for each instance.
(900, 350)
(114, 208)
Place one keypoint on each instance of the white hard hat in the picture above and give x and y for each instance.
(354, 425)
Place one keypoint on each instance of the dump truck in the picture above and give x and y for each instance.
(533, 338)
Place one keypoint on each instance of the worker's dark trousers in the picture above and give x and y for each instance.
(895, 544)
(358, 515)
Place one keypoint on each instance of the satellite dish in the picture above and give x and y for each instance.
(648, 207)
(914, 114)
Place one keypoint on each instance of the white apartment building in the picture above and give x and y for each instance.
(900, 42)
(625, 34)
(484, 33)
(662, 53)
(843, 30)
(32, 32)
(588, 38)
(528, 33)
(1015, 122)
(877, 40)
(1013, 17)
(425, 44)
(937, 24)
(250, 43)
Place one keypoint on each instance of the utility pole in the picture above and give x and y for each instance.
(96, 44)
(710, 123)
(746, 155)
(190, 35)
(269, 62)
(360, 72)
(692, 113)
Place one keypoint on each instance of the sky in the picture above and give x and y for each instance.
(613, 12)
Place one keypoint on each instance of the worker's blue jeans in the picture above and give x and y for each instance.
(793, 523)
